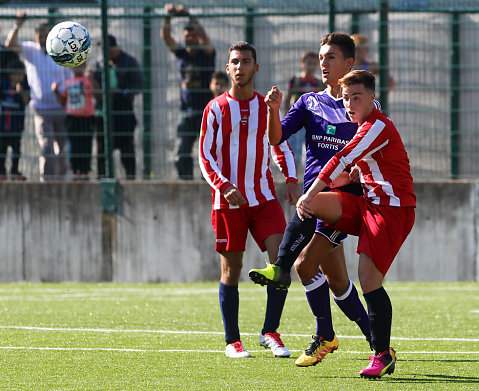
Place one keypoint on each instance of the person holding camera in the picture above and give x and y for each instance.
(196, 64)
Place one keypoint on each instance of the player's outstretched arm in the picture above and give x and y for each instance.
(205, 42)
(165, 31)
(273, 100)
(12, 37)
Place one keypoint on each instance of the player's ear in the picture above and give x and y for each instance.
(256, 68)
(350, 62)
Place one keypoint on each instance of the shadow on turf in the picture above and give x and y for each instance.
(425, 378)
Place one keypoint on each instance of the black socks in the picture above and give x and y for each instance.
(380, 319)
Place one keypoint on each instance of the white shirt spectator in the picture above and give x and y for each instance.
(41, 73)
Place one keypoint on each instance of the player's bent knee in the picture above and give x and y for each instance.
(304, 269)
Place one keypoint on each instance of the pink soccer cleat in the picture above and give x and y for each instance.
(379, 365)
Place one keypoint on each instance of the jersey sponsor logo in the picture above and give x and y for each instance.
(328, 142)
(334, 147)
(221, 240)
(331, 129)
(244, 116)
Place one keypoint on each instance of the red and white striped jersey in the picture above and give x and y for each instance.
(234, 149)
(379, 152)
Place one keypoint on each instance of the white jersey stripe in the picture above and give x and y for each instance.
(366, 141)
(224, 164)
(251, 151)
(385, 185)
(234, 140)
(207, 145)
(363, 145)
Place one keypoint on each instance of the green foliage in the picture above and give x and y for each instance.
(170, 336)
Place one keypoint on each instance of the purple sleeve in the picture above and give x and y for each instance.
(294, 120)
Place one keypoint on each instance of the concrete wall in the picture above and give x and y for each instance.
(162, 232)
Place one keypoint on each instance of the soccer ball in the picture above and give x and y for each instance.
(68, 44)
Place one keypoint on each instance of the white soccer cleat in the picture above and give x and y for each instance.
(273, 342)
(236, 350)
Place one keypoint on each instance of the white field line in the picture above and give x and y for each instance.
(93, 330)
(199, 351)
(147, 290)
(170, 296)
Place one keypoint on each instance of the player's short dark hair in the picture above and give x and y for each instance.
(242, 46)
(343, 41)
(15, 65)
(365, 78)
(309, 54)
(43, 27)
(218, 75)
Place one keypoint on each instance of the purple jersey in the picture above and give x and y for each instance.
(327, 129)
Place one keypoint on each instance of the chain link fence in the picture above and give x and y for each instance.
(427, 51)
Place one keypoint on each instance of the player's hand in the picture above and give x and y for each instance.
(234, 196)
(18, 87)
(170, 9)
(21, 17)
(354, 175)
(180, 10)
(303, 207)
(291, 193)
(273, 98)
(54, 86)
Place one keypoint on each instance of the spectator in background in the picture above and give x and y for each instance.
(196, 64)
(304, 82)
(125, 83)
(362, 62)
(219, 83)
(78, 98)
(49, 115)
(15, 95)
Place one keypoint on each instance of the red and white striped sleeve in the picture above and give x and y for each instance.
(368, 139)
(209, 149)
(283, 156)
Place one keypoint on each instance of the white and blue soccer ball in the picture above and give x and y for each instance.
(68, 44)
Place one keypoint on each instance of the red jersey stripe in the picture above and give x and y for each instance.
(234, 150)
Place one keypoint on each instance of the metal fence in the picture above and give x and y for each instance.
(428, 47)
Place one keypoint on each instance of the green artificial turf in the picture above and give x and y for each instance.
(170, 337)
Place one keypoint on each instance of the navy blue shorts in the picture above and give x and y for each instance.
(335, 237)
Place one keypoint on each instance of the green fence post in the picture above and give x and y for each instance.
(108, 185)
(147, 93)
(51, 16)
(249, 30)
(455, 60)
(383, 56)
(354, 23)
(331, 16)
(109, 169)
